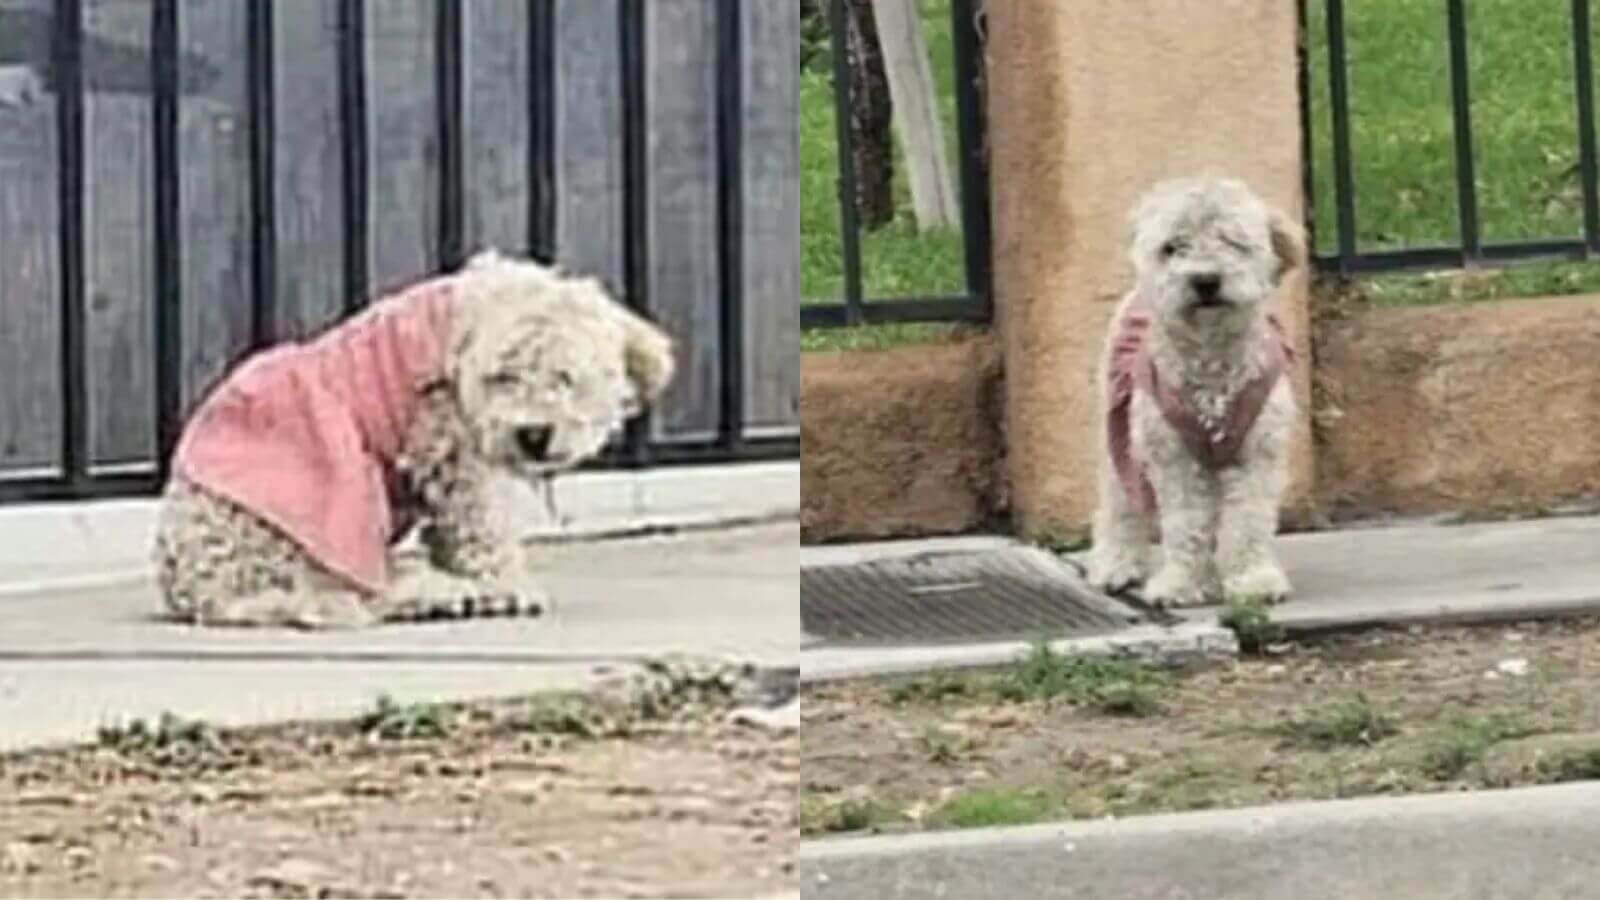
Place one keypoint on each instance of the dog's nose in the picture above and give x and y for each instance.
(1206, 285)
(534, 441)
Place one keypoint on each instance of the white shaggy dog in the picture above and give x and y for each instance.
(1197, 405)
(301, 469)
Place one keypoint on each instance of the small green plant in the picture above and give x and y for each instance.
(930, 688)
(167, 731)
(1061, 544)
(391, 721)
(173, 743)
(1353, 722)
(1251, 622)
(989, 807)
(831, 815)
(938, 747)
(1571, 764)
(577, 715)
(1112, 685)
(1464, 742)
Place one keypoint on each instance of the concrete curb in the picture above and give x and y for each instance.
(73, 545)
(1528, 842)
(1191, 642)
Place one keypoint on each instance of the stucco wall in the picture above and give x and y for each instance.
(1090, 102)
(1481, 408)
(900, 442)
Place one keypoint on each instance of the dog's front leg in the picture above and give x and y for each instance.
(1186, 498)
(1248, 511)
(470, 536)
(1123, 539)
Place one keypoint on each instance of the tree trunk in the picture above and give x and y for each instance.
(871, 118)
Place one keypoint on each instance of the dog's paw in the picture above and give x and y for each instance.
(434, 596)
(1114, 571)
(1173, 587)
(1264, 581)
(336, 612)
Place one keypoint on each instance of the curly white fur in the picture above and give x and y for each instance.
(529, 348)
(1216, 527)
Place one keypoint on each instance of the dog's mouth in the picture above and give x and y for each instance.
(1210, 301)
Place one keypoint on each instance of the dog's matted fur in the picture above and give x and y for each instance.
(535, 371)
(1197, 406)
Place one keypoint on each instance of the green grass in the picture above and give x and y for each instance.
(1111, 685)
(896, 260)
(1524, 138)
(1464, 740)
(1349, 723)
(1251, 622)
(989, 807)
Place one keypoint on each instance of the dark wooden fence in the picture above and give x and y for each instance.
(184, 180)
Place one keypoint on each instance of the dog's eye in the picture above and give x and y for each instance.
(500, 380)
(1235, 243)
(565, 379)
(1170, 249)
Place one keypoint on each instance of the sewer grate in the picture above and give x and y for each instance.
(1008, 594)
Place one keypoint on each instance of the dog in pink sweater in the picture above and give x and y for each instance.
(1197, 407)
(302, 468)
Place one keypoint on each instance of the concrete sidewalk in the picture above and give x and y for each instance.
(1525, 843)
(1349, 578)
(73, 659)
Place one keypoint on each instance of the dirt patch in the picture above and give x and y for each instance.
(560, 796)
(1388, 712)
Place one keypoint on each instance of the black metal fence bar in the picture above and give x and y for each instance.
(1347, 258)
(263, 196)
(1344, 178)
(1461, 112)
(974, 158)
(448, 58)
(849, 221)
(353, 145)
(636, 180)
(68, 60)
(730, 217)
(541, 124)
(168, 243)
(1583, 72)
(936, 309)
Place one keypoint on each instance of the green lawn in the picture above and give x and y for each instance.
(1525, 141)
(896, 261)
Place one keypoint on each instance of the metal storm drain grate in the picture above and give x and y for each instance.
(1013, 593)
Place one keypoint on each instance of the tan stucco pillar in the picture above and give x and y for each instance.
(1090, 102)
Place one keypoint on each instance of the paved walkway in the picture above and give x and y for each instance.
(1349, 578)
(72, 660)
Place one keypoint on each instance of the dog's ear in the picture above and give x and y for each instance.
(648, 355)
(1288, 244)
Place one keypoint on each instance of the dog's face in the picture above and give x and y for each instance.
(548, 368)
(1209, 252)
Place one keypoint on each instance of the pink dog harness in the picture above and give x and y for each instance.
(1133, 368)
(305, 435)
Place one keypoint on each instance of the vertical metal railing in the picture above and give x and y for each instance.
(1348, 258)
(68, 62)
(1583, 73)
(353, 148)
(263, 165)
(76, 474)
(854, 308)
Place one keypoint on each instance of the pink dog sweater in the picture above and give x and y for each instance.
(1133, 369)
(305, 435)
